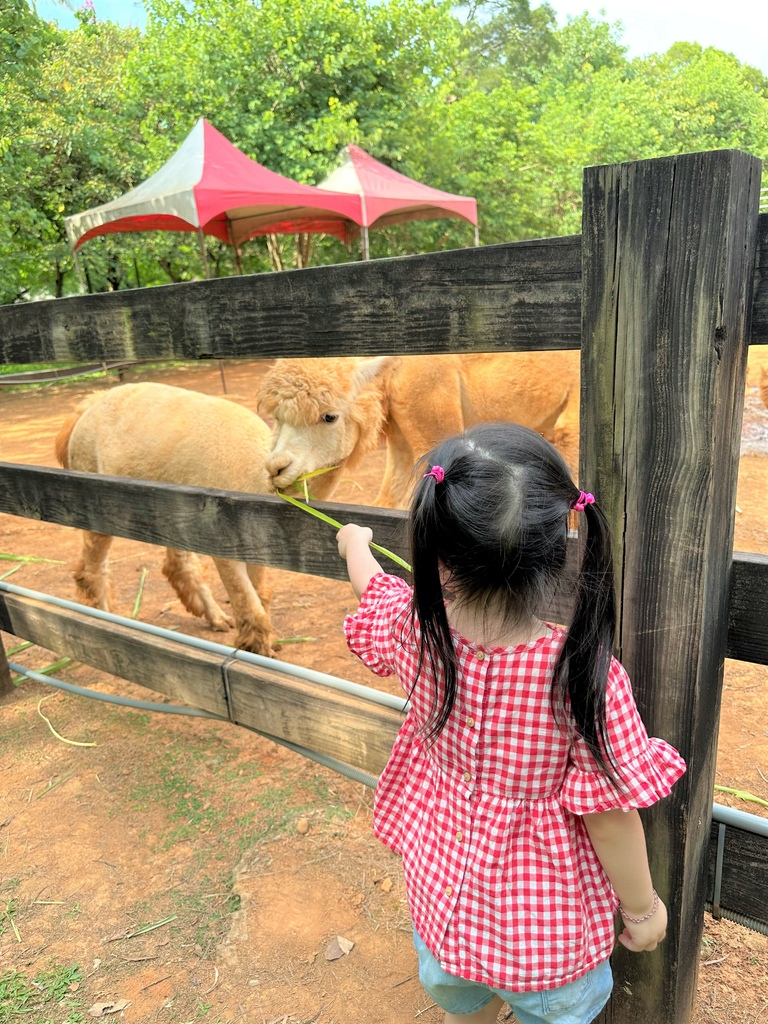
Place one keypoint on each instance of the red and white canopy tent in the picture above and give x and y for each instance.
(388, 197)
(211, 187)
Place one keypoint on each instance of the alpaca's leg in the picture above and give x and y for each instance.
(92, 571)
(254, 628)
(257, 574)
(184, 572)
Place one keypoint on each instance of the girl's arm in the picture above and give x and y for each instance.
(619, 842)
(353, 544)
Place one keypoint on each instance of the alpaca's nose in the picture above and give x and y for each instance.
(277, 465)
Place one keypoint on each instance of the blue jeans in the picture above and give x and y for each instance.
(579, 1002)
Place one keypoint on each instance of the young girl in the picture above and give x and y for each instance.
(512, 788)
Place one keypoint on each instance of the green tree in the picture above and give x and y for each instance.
(66, 139)
(507, 41)
(490, 100)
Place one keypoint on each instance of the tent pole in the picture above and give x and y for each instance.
(238, 261)
(79, 270)
(364, 228)
(201, 236)
(477, 235)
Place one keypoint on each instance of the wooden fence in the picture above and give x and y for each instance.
(663, 292)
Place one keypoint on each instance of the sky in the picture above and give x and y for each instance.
(650, 26)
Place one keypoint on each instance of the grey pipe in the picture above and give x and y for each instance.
(112, 698)
(740, 819)
(348, 770)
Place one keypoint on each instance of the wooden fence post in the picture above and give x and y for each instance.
(668, 256)
(6, 684)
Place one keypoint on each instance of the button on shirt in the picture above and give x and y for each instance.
(503, 884)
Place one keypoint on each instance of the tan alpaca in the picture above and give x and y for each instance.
(333, 412)
(155, 432)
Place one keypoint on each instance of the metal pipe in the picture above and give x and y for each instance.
(347, 770)
(113, 698)
(273, 664)
(740, 819)
(364, 228)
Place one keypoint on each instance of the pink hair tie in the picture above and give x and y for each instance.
(437, 472)
(582, 501)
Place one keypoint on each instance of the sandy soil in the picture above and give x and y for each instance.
(248, 859)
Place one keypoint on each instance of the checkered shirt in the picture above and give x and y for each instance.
(503, 884)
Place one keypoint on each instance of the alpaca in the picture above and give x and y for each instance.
(156, 432)
(333, 412)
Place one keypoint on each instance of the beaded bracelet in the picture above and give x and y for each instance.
(639, 920)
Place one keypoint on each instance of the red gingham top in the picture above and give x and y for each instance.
(503, 884)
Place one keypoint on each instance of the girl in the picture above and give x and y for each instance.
(512, 788)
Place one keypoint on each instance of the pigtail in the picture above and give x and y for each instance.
(581, 672)
(435, 641)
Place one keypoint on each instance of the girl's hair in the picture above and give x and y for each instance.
(496, 528)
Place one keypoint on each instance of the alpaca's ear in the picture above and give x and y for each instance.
(370, 369)
(266, 400)
(369, 403)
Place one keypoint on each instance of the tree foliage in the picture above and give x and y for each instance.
(490, 99)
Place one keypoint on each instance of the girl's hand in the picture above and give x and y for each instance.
(353, 544)
(646, 935)
(349, 534)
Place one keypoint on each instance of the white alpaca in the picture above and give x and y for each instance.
(156, 432)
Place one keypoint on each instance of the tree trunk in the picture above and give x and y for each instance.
(275, 252)
(303, 249)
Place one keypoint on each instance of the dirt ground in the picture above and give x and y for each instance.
(200, 872)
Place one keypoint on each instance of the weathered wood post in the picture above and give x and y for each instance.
(668, 256)
(6, 685)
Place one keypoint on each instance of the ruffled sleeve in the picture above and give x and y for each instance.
(648, 767)
(371, 632)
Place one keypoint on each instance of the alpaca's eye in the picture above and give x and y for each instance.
(329, 417)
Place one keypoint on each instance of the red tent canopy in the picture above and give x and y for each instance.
(210, 186)
(389, 197)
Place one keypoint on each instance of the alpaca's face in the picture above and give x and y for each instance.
(317, 421)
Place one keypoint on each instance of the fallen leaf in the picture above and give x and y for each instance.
(338, 947)
(386, 884)
(102, 1009)
(7, 821)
